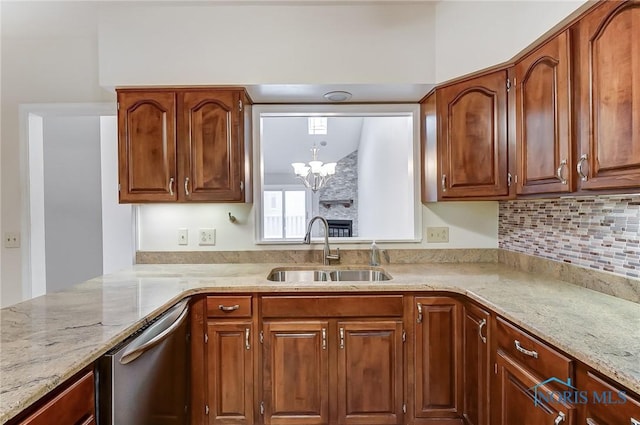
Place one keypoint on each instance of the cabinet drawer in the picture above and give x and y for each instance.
(229, 306)
(333, 306)
(74, 405)
(613, 407)
(532, 353)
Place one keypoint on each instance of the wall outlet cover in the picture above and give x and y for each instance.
(437, 234)
(207, 237)
(12, 240)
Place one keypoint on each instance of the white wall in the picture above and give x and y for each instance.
(72, 200)
(471, 35)
(471, 225)
(118, 239)
(384, 198)
(49, 54)
(267, 44)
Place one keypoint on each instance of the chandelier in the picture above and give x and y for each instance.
(316, 174)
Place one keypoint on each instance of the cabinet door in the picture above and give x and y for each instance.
(370, 372)
(475, 365)
(608, 96)
(147, 164)
(211, 146)
(517, 402)
(615, 404)
(473, 137)
(230, 370)
(437, 358)
(296, 373)
(543, 119)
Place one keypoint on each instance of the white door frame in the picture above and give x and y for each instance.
(32, 187)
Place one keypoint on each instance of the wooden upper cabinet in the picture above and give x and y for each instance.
(607, 66)
(147, 146)
(472, 139)
(211, 146)
(185, 145)
(543, 119)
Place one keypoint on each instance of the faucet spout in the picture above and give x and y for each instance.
(326, 254)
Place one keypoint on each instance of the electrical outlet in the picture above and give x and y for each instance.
(207, 237)
(183, 236)
(12, 240)
(437, 234)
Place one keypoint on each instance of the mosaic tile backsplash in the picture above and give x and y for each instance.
(599, 232)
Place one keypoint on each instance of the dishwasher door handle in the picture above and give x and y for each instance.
(151, 337)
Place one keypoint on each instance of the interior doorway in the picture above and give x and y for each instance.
(75, 229)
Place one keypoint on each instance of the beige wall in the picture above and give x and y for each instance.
(55, 52)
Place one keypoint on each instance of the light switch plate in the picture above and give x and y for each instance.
(437, 234)
(183, 236)
(207, 237)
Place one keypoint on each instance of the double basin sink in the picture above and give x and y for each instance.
(306, 274)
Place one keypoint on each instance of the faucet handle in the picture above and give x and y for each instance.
(335, 256)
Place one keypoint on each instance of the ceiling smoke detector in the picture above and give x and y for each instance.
(337, 96)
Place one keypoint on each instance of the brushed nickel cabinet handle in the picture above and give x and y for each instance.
(342, 338)
(171, 181)
(524, 351)
(581, 161)
(563, 164)
(324, 338)
(635, 421)
(444, 182)
(228, 308)
(509, 179)
(482, 324)
(247, 333)
(559, 419)
(419, 319)
(591, 421)
(186, 186)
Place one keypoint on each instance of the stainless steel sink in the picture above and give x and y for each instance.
(361, 274)
(298, 275)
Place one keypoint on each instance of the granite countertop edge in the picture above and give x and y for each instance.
(525, 299)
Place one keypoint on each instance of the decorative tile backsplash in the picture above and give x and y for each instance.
(600, 232)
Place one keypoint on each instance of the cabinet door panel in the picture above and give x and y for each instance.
(518, 401)
(437, 357)
(609, 68)
(475, 368)
(543, 119)
(473, 137)
(370, 372)
(231, 373)
(296, 374)
(147, 146)
(211, 149)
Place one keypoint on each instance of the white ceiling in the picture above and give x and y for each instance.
(286, 140)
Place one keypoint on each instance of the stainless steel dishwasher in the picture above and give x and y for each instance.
(144, 380)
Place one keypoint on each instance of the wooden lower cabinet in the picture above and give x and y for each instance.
(370, 365)
(222, 361)
(73, 404)
(437, 357)
(476, 355)
(296, 373)
(519, 400)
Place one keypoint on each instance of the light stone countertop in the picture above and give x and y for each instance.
(46, 340)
